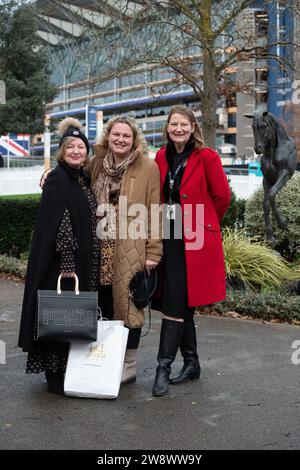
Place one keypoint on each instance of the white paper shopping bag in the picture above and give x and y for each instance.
(94, 370)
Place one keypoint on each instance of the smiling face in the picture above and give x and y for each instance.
(75, 153)
(180, 130)
(120, 140)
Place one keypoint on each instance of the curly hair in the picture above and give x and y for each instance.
(189, 114)
(139, 141)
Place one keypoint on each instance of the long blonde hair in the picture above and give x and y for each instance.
(139, 142)
(189, 114)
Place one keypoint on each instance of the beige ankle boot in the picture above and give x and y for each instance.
(129, 367)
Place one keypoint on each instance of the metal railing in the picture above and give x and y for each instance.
(19, 181)
(21, 162)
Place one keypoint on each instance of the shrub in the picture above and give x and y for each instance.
(291, 288)
(288, 203)
(234, 217)
(17, 222)
(265, 305)
(14, 266)
(253, 264)
(240, 218)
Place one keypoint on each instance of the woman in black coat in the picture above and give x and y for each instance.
(64, 242)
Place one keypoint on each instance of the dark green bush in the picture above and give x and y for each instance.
(234, 217)
(265, 305)
(288, 202)
(17, 220)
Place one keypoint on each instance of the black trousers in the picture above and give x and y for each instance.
(105, 302)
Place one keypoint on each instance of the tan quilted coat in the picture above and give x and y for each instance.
(141, 184)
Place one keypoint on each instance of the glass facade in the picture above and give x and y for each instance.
(148, 92)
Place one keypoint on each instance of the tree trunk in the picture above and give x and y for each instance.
(209, 99)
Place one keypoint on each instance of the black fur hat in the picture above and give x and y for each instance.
(70, 127)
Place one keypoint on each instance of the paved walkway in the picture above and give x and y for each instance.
(248, 396)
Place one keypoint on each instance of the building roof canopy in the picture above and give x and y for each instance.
(67, 19)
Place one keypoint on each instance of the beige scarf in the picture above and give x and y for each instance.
(107, 189)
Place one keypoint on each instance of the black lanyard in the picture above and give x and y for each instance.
(172, 179)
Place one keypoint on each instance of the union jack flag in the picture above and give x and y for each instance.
(15, 145)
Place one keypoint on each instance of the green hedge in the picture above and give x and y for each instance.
(234, 217)
(265, 305)
(288, 202)
(17, 221)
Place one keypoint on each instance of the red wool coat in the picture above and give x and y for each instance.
(204, 182)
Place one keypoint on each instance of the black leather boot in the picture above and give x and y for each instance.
(55, 381)
(191, 367)
(170, 337)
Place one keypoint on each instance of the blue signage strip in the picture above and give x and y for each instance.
(91, 124)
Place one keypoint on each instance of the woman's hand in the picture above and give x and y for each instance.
(149, 265)
(44, 177)
(67, 274)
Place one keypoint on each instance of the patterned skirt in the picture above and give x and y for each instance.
(40, 361)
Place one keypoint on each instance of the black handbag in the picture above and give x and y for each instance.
(142, 287)
(66, 316)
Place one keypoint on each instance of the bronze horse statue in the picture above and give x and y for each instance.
(278, 164)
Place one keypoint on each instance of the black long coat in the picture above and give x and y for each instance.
(61, 191)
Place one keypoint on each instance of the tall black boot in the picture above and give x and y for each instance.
(191, 367)
(170, 337)
(55, 381)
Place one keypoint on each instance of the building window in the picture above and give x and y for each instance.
(261, 24)
(261, 97)
(232, 120)
(261, 76)
(230, 139)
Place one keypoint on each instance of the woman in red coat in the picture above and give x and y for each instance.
(196, 195)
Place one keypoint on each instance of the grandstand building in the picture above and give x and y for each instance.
(147, 92)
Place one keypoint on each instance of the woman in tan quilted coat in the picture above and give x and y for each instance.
(123, 176)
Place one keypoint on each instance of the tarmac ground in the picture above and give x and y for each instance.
(248, 396)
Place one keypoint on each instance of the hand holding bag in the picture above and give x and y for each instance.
(142, 287)
(66, 316)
